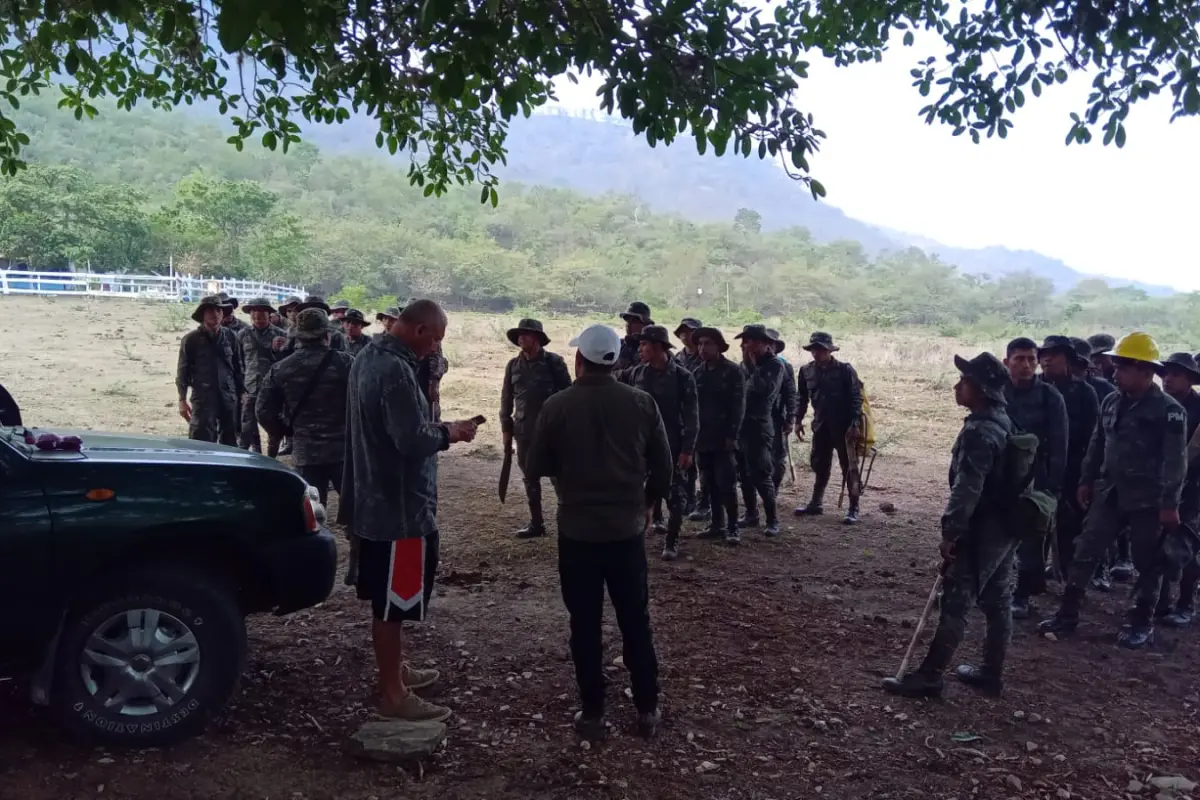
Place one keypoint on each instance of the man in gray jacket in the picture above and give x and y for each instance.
(389, 496)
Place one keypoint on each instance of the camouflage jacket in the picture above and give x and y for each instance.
(784, 413)
(337, 341)
(1139, 451)
(976, 469)
(1189, 501)
(629, 356)
(689, 361)
(431, 369)
(236, 324)
(319, 430)
(1083, 409)
(1039, 409)
(834, 391)
(721, 395)
(389, 485)
(674, 390)
(528, 384)
(355, 346)
(257, 353)
(763, 382)
(1103, 387)
(210, 364)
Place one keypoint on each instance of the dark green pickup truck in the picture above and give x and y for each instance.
(127, 567)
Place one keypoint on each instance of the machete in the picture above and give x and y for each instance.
(505, 472)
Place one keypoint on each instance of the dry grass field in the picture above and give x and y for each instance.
(771, 654)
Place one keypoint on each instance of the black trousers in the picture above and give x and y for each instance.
(250, 437)
(825, 442)
(213, 421)
(323, 476)
(585, 569)
(718, 477)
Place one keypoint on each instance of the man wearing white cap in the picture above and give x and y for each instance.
(606, 445)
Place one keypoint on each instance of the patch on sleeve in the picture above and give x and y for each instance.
(1176, 415)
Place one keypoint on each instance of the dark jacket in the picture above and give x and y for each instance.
(1083, 410)
(605, 444)
(763, 381)
(210, 364)
(674, 391)
(528, 384)
(976, 471)
(236, 325)
(835, 393)
(1039, 409)
(389, 485)
(337, 341)
(1139, 451)
(784, 414)
(355, 346)
(689, 361)
(721, 394)
(1189, 501)
(318, 430)
(257, 354)
(1103, 387)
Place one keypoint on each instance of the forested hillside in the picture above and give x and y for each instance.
(132, 191)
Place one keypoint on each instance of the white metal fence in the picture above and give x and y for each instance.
(188, 288)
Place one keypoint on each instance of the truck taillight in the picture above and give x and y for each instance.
(310, 514)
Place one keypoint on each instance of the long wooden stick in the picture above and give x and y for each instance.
(937, 585)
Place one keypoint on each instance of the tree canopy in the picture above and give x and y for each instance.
(442, 78)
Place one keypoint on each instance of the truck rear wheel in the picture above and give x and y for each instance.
(146, 658)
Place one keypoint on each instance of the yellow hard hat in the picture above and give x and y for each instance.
(1137, 346)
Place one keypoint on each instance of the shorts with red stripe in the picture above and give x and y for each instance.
(397, 577)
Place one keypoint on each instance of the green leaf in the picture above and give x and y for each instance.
(908, 39)
(1120, 137)
(166, 31)
(483, 194)
(495, 197)
(235, 23)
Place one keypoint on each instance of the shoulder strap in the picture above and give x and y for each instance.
(312, 384)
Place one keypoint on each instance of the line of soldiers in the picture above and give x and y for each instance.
(289, 378)
(1110, 462)
(728, 422)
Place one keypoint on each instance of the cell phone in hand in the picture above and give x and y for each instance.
(479, 419)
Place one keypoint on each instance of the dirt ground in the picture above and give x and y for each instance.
(771, 655)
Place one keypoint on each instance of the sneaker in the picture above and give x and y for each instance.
(417, 679)
(670, 553)
(747, 521)
(1181, 617)
(659, 527)
(1101, 581)
(914, 684)
(592, 729)
(851, 517)
(733, 538)
(700, 515)
(531, 531)
(1122, 571)
(976, 678)
(414, 708)
(648, 723)
(710, 533)
(772, 529)
(1136, 636)
(809, 510)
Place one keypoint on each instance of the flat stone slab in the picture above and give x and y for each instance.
(396, 740)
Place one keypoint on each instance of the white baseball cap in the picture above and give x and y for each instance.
(598, 344)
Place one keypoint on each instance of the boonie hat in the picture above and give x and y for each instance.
(1101, 343)
(528, 326)
(211, 301)
(711, 333)
(780, 344)
(688, 324)
(657, 334)
(354, 315)
(987, 371)
(315, 301)
(1184, 361)
(821, 340)
(637, 312)
(755, 333)
(598, 344)
(391, 312)
(260, 303)
(312, 324)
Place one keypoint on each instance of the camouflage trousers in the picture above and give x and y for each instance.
(676, 502)
(756, 471)
(533, 486)
(718, 476)
(1101, 526)
(213, 421)
(980, 574)
(250, 437)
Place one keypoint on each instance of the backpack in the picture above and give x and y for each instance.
(1025, 511)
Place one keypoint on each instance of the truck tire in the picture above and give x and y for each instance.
(146, 658)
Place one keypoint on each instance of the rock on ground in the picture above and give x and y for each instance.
(397, 740)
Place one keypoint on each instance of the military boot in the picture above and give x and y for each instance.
(814, 508)
(851, 514)
(716, 528)
(987, 677)
(699, 515)
(671, 546)
(1122, 571)
(748, 520)
(657, 525)
(1141, 629)
(1066, 619)
(915, 684)
(1101, 581)
(1181, 617)
(771, 510)
(285, 447)
(534, 530)
(1021, 606)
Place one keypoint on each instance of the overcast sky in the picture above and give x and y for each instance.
(1130, 213)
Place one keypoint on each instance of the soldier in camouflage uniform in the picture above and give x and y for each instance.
(1102, 363)
(756, 465)
(721, 397)
(674, 390)
(228, 318)
(288, 310)
(636, 317)
(337, 339)
(976, 548)
(530, 379)
(284, 346)
(430, 371)
(784, 415)
(836, 394)
(1180, 376)
(1057, 356)
(258, 355)
(386, 318)
(1133, 475)
(210, 365)
(695, 508)
(305, 394)
(337, 314)
(1036, 407)
(1082, 368)
(353, 323)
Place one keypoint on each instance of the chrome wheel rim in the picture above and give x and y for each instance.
(139, 662)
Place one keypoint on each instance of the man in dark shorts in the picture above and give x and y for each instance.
(389, 496)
